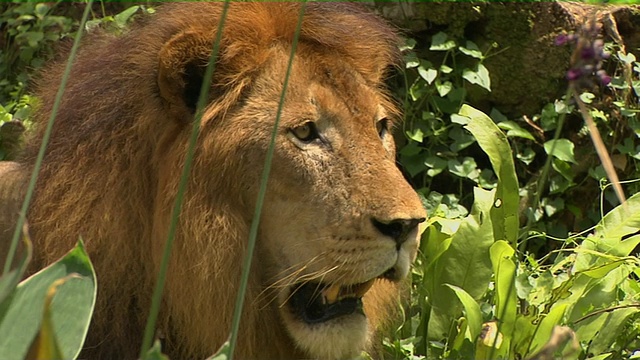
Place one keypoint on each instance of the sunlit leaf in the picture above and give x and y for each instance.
(562, 149)
(472, 311)
(621, 221)
(514, 130)
(504, 268)
(495, 144)
(440, 42)
(71, 308)
(545, 328)
(465, 264)
(479, 77)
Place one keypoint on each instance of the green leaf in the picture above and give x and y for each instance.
(626, 58)
(444, 88)
(465, 264)
(471, 49)
(562, 149)
(458, 119)
(472, 310)
(122, 18)
(415, 134)
(467, 169)
(427, 72)
(622, 220)
(71, 308)
(478, 77)
(495, 144)
(222, 353)
(545, 328)
(504, 268)
(9, 281)
(440, 42)
(514, 130)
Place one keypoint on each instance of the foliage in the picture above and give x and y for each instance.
(474, 298)
(53, 308)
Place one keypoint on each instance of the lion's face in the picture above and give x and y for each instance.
(338, 216)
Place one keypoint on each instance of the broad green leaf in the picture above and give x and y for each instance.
(9, 282)
(45, 345)
(504, 268)
(465, 264)
(71, 308)
(522, 337)
(479, 77)
(621, 221)
(545, 328)
(562, 149)
(472, 310)
(440, 42)
(613, 325)
(494, 143)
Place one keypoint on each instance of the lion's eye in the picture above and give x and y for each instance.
(306, 132)
(381, 126)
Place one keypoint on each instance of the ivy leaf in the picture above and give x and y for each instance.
(467, 169)
(478, 77)
(440, 42)
(415, 134)
(444, 88)
(429, 74)
(436, 165)
(562, 149)
(626, 58)
(471, 49)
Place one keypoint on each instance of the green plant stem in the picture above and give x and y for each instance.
(177, 206)
(45, 140)
(253, 232)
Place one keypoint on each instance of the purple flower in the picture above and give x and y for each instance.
(574, 74)
(561, 40)
(588, 56)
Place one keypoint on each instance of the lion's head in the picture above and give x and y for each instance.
(339, 225)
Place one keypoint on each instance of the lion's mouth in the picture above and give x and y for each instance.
(314, 302)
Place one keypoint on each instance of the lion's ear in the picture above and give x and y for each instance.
(182, 63)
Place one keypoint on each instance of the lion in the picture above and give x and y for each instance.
(339, 226)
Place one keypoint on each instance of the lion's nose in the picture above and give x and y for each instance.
(397, 229)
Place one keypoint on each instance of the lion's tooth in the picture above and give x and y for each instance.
(363, 288)
(331, 293)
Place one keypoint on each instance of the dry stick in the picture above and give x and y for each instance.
(45, 140)
(601, 149)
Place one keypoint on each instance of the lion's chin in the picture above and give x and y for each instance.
(328, 321)
(340, 337)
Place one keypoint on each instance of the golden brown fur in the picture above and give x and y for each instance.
(114, 161)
